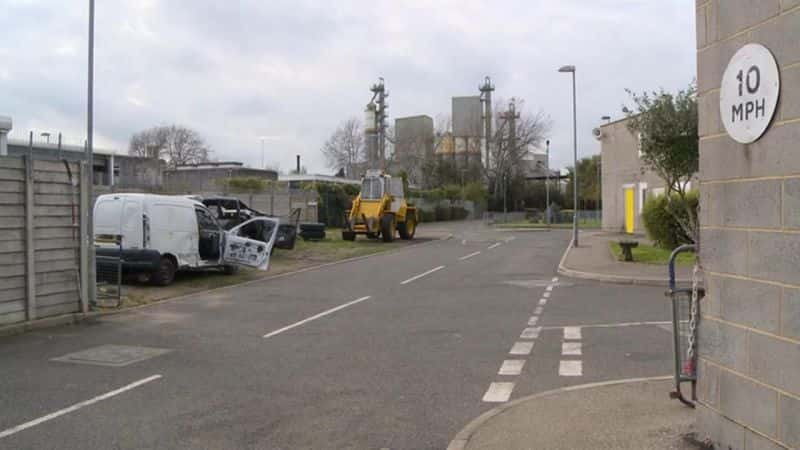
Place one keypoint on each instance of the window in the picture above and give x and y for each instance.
(639, 144)
(205, 221)
(372, 188)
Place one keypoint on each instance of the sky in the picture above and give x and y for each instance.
(286, 73)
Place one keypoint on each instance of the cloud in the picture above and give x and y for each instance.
(295, 69)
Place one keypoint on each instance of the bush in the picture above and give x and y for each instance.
(443, 213)
(427, 215)
(661, 223)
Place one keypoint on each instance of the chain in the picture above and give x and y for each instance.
(693, 318)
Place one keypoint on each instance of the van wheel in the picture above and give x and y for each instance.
(165, 274)
(230, 270)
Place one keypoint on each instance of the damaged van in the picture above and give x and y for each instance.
(161, 235)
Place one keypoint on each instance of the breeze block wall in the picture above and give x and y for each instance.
(749, 336)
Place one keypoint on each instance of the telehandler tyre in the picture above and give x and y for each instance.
(387, 227)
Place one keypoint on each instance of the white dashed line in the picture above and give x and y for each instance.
(546, 295)
(571, 348)
(510, 238)
(316, 316)
(76, 406)
(417, 277)
(572, 333)
(570, 369)
(533, 320)
(530, 333)
(521, 348)
(498, 392)
(549, 288)
(469, 256)
(511, 367)
(538, 310)
(542, 301)
(493, 246)
(611, 325)
(555, 279)
(463, 242)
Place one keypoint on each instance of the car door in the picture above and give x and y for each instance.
(242, 249)
(210, 236)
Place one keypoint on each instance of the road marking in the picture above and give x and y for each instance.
(538, 310)
(555, 279)
(521, 348)
(498, 392)
(572, 332)
(530, 333)
(571, 348)
(493, 246)
(542, 301)
(463, 242)
(533, 320)
(510, 238)
(316, 316)
(417, 277)
(570, 369)
(469, 256)
(549, 288)
(511, 367)
(75, 407)
(546, 294)
(608, 325)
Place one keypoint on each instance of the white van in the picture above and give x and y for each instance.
(163, 234)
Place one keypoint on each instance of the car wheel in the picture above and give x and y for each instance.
(165, 274)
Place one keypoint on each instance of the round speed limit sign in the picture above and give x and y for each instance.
(750, 90)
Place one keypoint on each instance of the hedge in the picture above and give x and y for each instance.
(661, 223)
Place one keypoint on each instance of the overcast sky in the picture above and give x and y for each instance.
(290, 71)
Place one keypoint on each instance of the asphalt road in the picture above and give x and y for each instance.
(364, 354)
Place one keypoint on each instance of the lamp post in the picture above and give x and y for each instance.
(571, 69)
(262, 153)
(547, 182)
(91, 286)
(600, 174)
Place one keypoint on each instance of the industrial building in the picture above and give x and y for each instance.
(210, 176)
(626, 181)
(110, 168)
(413, 146)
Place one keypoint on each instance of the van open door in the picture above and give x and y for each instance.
(250, 243)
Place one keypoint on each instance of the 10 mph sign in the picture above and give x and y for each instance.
(750, 90)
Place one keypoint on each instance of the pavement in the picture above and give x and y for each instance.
(627, 415)
(593, 260)
(397, 351)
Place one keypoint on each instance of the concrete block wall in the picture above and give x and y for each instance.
(749, 336)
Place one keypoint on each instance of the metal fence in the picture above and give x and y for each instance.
(109, 272)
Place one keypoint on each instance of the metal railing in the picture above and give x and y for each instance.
(109, 272)
(685, 316)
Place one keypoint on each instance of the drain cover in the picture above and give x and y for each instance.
(112, 355)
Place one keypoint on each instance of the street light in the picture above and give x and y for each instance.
(571, 69)
(600, 173)
(547, 181)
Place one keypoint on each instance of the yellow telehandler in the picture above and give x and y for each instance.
(380, 209)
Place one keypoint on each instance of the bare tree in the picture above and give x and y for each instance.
(513, 139)
(345, 147)
(176, 144)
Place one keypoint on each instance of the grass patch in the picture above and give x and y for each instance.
(305, 254)
(651, 255)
